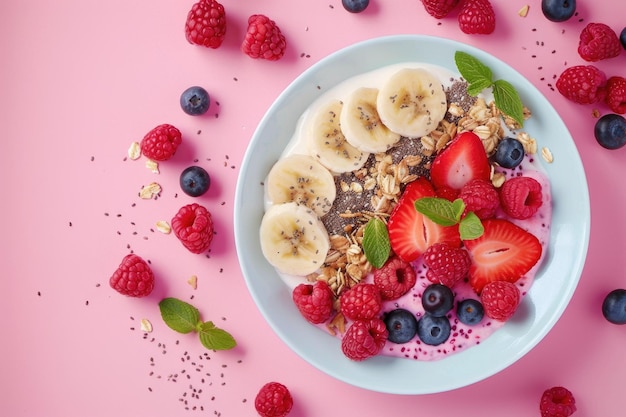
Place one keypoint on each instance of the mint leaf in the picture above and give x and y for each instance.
(214, 338)
(508, 101)
(470, 227)
(439, 210)
(474, 71)
(376, 243)
(458, 206)
(477, 87)
(179, 315)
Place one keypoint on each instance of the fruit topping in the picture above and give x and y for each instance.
(521, 197)
(480, 197)
(195, 101)
(273, 400)
(160, 143)
(470, 311)
(616, 94)
(463, 160)
(610, 131)
(583, 84)
(557, 402)
(355, 6)
(597, 42)
(437, 300)
(558, 10)
(446, 264)
(364, 339)
(439, 8)
(622, 38)
(206, 24)
(477, 17)
(133, 277)
(504, 252)
(614, 306)
(314, 301)
(500, 299)
(401, 325)
(263, 40)
(509, 153)
(433, 330)
(361, 302)
(411, 232)
(395, 278)
(194, 181)
(193, 226)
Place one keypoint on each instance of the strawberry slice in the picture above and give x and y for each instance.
(410, 232)
(505, 252)
(463, 160)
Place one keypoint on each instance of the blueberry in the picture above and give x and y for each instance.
(195, 101)
(509, 153)
(470, 311)
(614, 307)
(622, 38)
(355, 6)
(433, 330)
(558, 10)
(195, 181)
(437, 300)
(610, 131)
(401, 325)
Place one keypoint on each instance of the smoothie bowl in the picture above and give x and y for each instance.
(398, 179)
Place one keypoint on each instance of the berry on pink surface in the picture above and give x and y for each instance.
(616, 94)
(395, 278)
(477, 17)
(273, 400)
(193, 226)
(583, 84)
(500, 299)
(446, 264)
(206, 24)
(557, 402)
(439, 8)
(364, 339)
(314, 301)
(133, 277)
(160, 143)
(597, 42)
(263, 39)
(361, 302)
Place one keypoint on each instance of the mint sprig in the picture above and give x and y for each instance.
(376, 244)
(184, 318)
(450, 213)
(480, 77)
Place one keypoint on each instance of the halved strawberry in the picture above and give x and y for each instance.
(463, 160)
(410, 232)
(505, 252)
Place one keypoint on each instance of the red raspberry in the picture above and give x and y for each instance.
(395, 278)
(597, 42)
(133, 277)
(263, 39)
(206, 24)
(160, 143)
(557, 402)
(446, 264)
(521, 197)
(193, 226)
(500, 299)
(361, 302)
(439, 8)
(584, 84)
(480, 197)
(477, 17)
(273, 400)
(616, 94)
(314, 301)
(364, 339)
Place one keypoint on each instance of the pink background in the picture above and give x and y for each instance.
(81, 80)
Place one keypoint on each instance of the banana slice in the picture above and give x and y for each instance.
(412, 102)
(328, 144)
(361, 124)
(293, 239)
(300, 178)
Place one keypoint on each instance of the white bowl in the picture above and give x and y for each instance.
(554, 284)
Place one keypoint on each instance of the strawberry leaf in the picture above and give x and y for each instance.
(376, 244)
(214, 338)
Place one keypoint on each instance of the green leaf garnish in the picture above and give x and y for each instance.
(214, 338)
(470, 227)
(376, 245)
(480, 77)
(184, 318)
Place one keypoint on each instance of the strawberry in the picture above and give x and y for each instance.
(504, 252)
(410, 232)
(477, 17)
(463, 160)
(439, 8)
